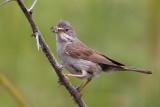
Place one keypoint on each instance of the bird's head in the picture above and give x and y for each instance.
(64, 31)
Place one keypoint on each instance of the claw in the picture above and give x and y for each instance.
(78, 87)
(61, 83)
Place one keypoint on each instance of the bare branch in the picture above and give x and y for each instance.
(5, 2)
(31, 9)
(58, 68)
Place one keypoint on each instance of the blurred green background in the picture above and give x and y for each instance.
(125, 30)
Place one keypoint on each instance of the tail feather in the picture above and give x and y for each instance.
(137, 70)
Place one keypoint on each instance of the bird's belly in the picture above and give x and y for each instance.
(75, 66)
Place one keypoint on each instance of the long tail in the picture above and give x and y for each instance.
(137, 70)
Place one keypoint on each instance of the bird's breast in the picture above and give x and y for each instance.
(75, 65)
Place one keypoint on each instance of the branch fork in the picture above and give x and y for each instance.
(31, 9)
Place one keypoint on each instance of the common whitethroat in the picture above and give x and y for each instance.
(81, 61)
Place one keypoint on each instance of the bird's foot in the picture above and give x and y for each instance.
(78, 87)
(61, 83)
(66, 76)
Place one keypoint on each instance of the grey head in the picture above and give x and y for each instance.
(65, 27)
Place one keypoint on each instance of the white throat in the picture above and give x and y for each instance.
(63, 37)
(62, 40)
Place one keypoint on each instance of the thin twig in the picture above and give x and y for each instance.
(12, 90)
(5, 2)
(37, 39)
(58, 69)
(31, 9)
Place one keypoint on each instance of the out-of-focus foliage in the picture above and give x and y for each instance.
(125, 30)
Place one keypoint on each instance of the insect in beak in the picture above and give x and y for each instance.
(57, 29)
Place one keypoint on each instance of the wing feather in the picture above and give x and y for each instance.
(78, 50)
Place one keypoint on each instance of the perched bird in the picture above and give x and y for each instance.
(81, 61)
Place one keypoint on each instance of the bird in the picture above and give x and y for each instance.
(81, 61)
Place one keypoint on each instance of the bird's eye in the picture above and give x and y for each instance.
(66, 30)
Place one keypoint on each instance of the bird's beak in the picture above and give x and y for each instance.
(57, 29)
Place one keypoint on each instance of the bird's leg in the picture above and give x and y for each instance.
(84, 85)
(84, 74)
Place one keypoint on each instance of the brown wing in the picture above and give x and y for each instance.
(78, 50)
